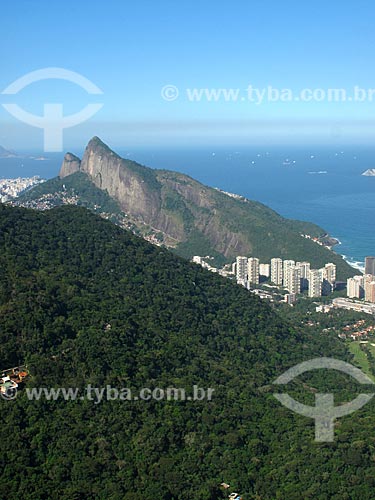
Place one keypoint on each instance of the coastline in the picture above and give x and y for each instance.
(354, 263)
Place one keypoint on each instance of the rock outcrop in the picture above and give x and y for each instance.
(111, 173)
(194, 218)
(71, 164)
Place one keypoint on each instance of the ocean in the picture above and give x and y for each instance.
(323, 185)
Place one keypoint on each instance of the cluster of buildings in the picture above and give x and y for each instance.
(50, 200)
(363, 285)
(206, 263)
(358, 330)
(314, 239)
(11, 188)
(233, 195)
(298, 277)
(295, 277)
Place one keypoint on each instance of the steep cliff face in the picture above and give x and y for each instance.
(71, 164)
(109, 172)
(194, 218)
(172, 203)
(135, 187)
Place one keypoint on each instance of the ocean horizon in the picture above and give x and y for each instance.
(319, 184)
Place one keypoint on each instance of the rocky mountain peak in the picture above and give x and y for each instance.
(98, 147)
(196, 219)
(70, 165)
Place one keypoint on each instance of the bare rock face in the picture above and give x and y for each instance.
(190, 216)
(136, 188)
(71, 164)
(133, 186)
(141, 192)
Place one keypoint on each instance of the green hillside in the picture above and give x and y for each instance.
(76, 185)
(185, 215)
(84, 302)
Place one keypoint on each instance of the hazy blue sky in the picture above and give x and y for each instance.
(131, 50)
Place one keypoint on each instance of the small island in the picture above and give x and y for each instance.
(6, 154)
(369, 172)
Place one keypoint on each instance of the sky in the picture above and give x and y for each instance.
(146, 57)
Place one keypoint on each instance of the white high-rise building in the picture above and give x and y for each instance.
(370, 291)
(304, 268)
(361, 280)
(330, 273)
(277, 271)
(315, 283)
(293, 280)
(264, 270)
(355, 287)
(367, 278)
(253, 271)
(327, 287)
(287, 264)
(241, 269)
(322, 273)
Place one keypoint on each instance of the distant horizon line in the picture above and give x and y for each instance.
(198, 146)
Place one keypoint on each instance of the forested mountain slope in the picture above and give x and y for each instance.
(184, 214)
(84, 302)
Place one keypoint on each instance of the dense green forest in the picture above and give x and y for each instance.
(85, 302)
